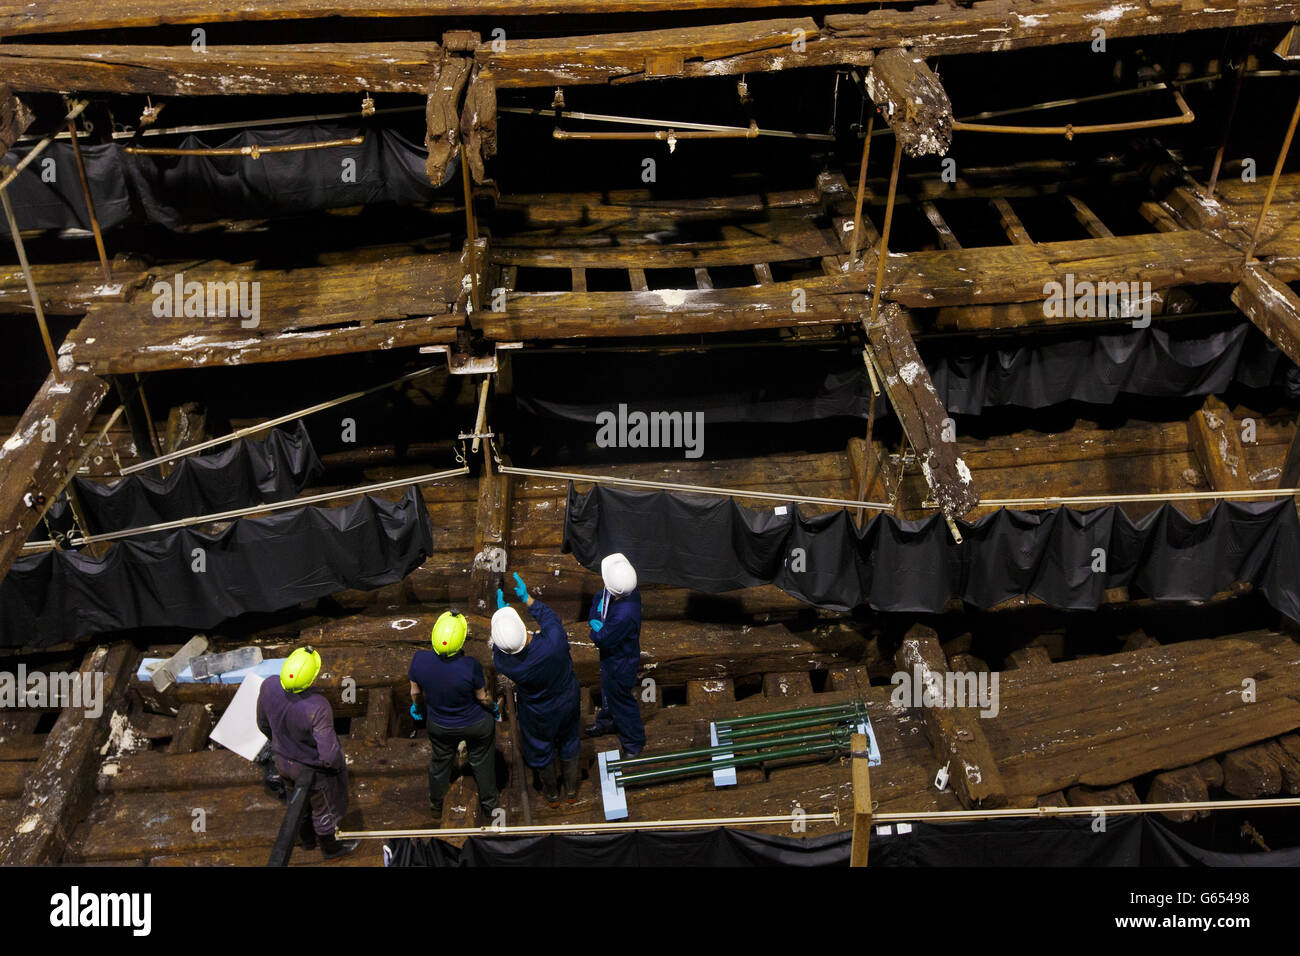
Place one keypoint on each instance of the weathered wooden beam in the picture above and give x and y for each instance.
(193, 724)
(478, 123)
(1088, 219)
(861, 757)
(1011, 224)
(280, 69)
(912, 101)
(947, 238)
(924, 419)
(36, 458)
(935, 30)
(1272, 306)
(955, 734)
(15, 117)
(1216, 440)
(491, 537)
(442, 114)
(62, 787)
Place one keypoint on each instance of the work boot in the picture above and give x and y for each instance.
(550, 785)
(571, 770)
(435, 807)
(598, 729)
(334, 849)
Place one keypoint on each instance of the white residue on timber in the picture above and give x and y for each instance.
(963, 472)
(672, 298)
(189, 343)
(909, 372)
(1028, 21)
(1110, 13)
(404, 624)
(28, 824)
(121, 738)
(17, 440)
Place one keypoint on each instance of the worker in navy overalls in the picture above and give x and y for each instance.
(550, 710)
(616, 632)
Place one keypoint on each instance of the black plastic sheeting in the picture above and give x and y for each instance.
(174, 190)
(255, 564)
(713, 544)
(243, 474)
(1126, 841)
(1178, 360)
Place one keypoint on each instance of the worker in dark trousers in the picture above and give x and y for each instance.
(300, 723)
(448, 691)
(550, 709)
(616, 631)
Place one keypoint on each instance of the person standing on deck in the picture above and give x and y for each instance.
(448, 691)
(300, 723)
(616, 631)
(550, 708)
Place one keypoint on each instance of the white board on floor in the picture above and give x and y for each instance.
(237, 728)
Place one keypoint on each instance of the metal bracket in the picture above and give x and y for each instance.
(463, 363)
(612, 795)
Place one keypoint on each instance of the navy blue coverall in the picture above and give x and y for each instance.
(619, 642)
(550, 714)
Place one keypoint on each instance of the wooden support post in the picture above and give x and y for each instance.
(15, 118)
(1216, 442)
(442, 115)
(1272, 306)
(376, 727)
(1227, 131)
(861, 757)
(947, 238)
(912, 101)
(1088, 219)
(62, 787)
(491, 538)
(128, 393)
(924, 419)
(954, 731)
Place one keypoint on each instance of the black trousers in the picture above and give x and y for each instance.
(480, 740)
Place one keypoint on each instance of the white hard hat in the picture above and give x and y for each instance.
(508, 631)
(619, 575)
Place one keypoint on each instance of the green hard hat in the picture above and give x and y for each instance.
(449, 633)
(300, 669)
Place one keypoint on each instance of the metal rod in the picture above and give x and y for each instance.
(148, 417)
(270, 423)
(670, 134)
(665, 124)
(690, 770)
(260, 509)
(1272, 185)
(1113, 499)
(471, 233)
(621, 826)
(727, 748)
(90, 202)
(31, 287)
(847, 706)
(40, 147)
(862, 190)
(1227, 130)
(884, 233)
(252, 152)
(757, 730)
(482, 413)
(937, 816)
(1069, 131)
(694, 489)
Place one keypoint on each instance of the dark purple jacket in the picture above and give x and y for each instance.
(301, 726)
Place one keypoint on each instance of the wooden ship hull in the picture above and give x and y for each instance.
(768, 233)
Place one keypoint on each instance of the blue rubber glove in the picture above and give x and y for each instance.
(416, 712)
(521, 589)
(596, 625)
(501, 599)
(496, 710)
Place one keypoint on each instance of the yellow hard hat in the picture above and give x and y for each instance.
(449, 633)
(299, 670)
